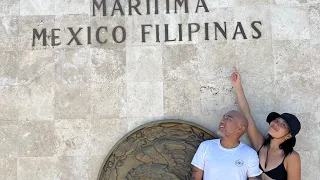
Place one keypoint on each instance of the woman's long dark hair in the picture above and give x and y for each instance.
(286, 146)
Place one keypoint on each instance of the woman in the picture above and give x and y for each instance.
(278, 160)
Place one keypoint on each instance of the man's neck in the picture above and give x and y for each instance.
(229, 143)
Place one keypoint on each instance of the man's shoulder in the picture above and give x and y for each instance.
(210, 142)
(248, 150)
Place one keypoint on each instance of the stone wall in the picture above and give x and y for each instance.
(63, 107)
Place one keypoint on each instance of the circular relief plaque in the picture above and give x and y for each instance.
(161, 150)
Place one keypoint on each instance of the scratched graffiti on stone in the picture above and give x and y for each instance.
(161, 150)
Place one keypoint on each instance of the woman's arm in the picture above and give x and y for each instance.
(294, 166)
(255, 135)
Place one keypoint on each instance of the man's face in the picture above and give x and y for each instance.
(228, 125)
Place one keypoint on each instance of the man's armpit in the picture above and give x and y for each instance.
(255, 178)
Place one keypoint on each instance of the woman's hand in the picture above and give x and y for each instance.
(235, 78)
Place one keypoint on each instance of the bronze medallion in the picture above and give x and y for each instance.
(160, 150)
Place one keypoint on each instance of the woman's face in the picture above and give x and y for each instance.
(278, 128)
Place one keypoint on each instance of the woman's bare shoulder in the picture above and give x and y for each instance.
(293, 157)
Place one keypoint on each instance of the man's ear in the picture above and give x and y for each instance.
(241, 128)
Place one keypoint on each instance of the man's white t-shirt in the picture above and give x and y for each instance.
(219, 163)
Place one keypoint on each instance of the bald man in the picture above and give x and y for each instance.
(227, 158)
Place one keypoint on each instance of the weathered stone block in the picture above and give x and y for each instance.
(9, 32)
(73, 66)
(9, 133)
(108, 65)
(109, 100)
(247, 56)
(216, 60)
(43, 168)
(182, 98)
(8, 169)
(9, 68)
(37, 139)
(102, 139)
(9, 7)
(144, 64)
(72, 101)
(37, 7)
(145, 99)
(216, 96)
(73, 137)
(34, 64)
(72, 7)
(180, 62)
(9, 103)
(289, 23)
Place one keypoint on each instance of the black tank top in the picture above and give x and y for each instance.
(278, 173)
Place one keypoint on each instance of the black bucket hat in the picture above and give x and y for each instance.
(291, 120)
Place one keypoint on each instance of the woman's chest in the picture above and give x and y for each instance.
(270, 160)
(265, 177)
